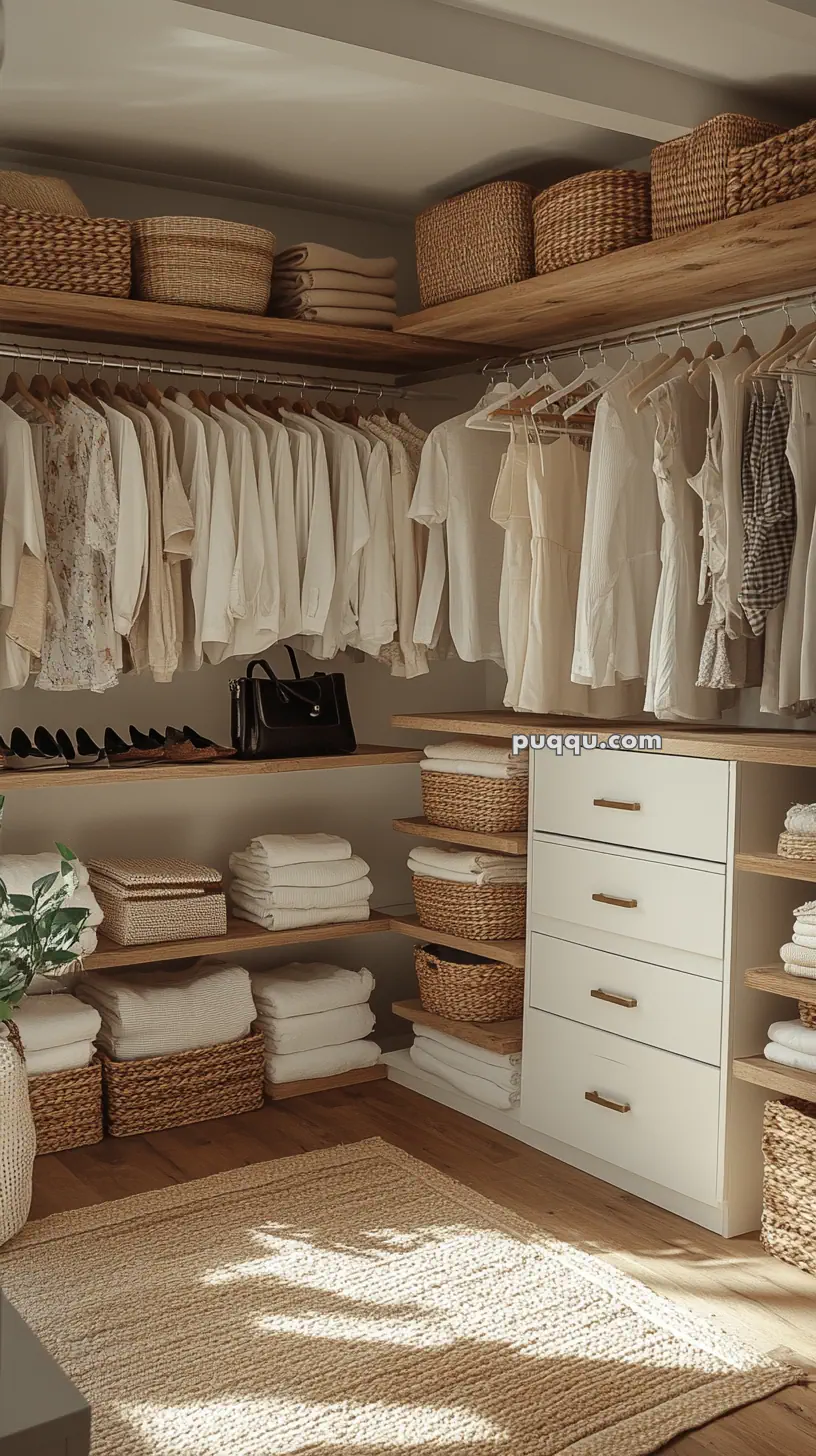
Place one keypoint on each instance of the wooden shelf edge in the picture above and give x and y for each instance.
(509, 952)
(788, 1081)
(779, 982)
(497, 843)
(775, 864)
(503, 1037)
(282, 1091)
(241, 935)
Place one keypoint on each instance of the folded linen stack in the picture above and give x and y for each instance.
(160, 1013)
(792, 1044)
(315, 1020)
(491, 1077)
(284, 881)
(326, 285)
(467, 867)
(149, 900)
(799, 954)
(57, 1033)
(20, 871)
(479, 759)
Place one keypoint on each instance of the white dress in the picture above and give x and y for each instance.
(193, 461)
(351, 532)
(799, 623)
(283, 491)
(23, 530)
(511, 510)
(249, 540)
(314, 527)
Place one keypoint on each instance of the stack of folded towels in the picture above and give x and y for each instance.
(284, 881)
(468, 867)
(315, 1019)
(491, 1077)
(167, 1012)
(799, 954)
(19, 872)
(792, 1044)
(57, 1032)
(479, 759)
(325, 285)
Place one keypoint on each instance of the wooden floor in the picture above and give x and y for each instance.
(732, 1281)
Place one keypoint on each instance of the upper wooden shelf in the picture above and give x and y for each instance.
(777, 864)
(788, 1081)
(496, 843)
(51, 314)
(241, 936)
(779, 982)
(494, 1036)
(740, 258)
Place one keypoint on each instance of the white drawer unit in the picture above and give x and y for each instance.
(664, 1008)
(644, 1110)
(645, 800)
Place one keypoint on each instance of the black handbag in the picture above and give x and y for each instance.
(300, 718)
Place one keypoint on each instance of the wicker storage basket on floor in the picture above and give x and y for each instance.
(49, 195)
(67, 1108)
(466, 801)
(462, 987)
(146, 922)
(68, 254)
(796, 846)
(589, 215)
(690, 173)
(774, 170)
(157, 1092)
(476, 912)
(789, 1185)
(479, 240)
(203, 262)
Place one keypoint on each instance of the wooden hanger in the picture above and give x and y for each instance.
(124, 392)
(260, 406)
(15, 384)
(81, 390)
(278, 403)
(60, 386)
(200, 400)
(237, 400)
(102, 390)
(393, 415)
(151, 393)
(218, 400)
(171, 392)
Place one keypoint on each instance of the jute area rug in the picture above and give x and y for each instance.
(354, 1302)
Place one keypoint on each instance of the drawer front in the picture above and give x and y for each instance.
(643, 800)
(663, 1008)
(666, 1125)
(628, 895)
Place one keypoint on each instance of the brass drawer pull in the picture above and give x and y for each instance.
(615, 900)
(615, 804)
(605, 1102)
(628, 1001)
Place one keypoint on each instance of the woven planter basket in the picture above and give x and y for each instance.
(476, 912)
(589, 215)
(203, 262)
(796, 846)
(789, 1184)
(479, 240)
(464, 988)
(49, 195)
(145, 922)
(68, 254)
(67, 1108)
(157, 1092)
(690, 173)
(774, 170)
(465, 801)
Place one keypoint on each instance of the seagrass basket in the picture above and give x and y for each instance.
(690, 173)
(49, 195)
(156, 1092)
(478, 240)
(789, 1183)
(590, 215)
(145, 922)
(462, 987)
(476, 912)
(774, 170)
(466, 801)
(67, 1108)
(796, 846)
(67, 254)
(203, 262)
(807, 1014)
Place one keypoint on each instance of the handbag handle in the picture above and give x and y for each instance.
(261, 662)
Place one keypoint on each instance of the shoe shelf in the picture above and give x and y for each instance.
(241, 936)
(496, 843)
(510, 952)
(494, 1036)
(779, 982)
(365, 756)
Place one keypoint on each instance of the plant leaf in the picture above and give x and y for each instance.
(21, 902)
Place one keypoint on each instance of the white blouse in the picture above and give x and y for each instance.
(23, 529)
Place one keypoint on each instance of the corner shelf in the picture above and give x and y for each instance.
(775, 864)
(494, 1036)
(511, 952)
(497, 843)
(241, 936)
(778, 982)
(789, 1081)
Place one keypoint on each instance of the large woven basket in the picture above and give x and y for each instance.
(589, 215)
(68, 254)
(479, 240)
(157, 1092)
(67, 1108)
(462, 987)
(476, 912)
(690, 173)
(203, 262)
(466, 801)
(49, 195)
(145, 922)
(789, 1185)
(775, 170)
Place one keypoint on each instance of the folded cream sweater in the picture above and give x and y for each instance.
(322, 1062)
(52, 1021)
(273, 851)
(292, 897)
(319, 1029)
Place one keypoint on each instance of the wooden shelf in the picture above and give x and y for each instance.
(757, 254)
(366, 756)
(511, 952)
(241, 936)
(281, 1091)
(775, 864)
(779, 982)
(789, 1081)
(497, 843)
(494, 1036)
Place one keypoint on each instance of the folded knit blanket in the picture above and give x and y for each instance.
(288, 283)
(319, 874)
(511, 873)
(351, 318)
(319, 1029)
(804, 938)
(296, 919)
(508, 1078)
(333, 298)
(19, 871)
(156, 1013)
(798, 960)
(477, 767)
(477, 1087)
(503, 1061)
(801, 819)
(322, 1062)
(60, 1058)
(306, 987)
(291, 897)
(52, 1021)
(272, 851)
(794, 1034)
(318, 255)
(787, 1057)
(482, 752)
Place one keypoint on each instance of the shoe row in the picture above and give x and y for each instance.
(51, 751)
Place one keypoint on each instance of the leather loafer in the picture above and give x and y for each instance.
(143, 747)
(184, 745)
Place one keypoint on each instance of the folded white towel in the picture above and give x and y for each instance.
(794, 1034)
(798, 960)
(322, 1062)
(469, 860)
(157, 1013)
(19, 871)
(504, 1061)
(509, 1078)
(476, 767)
(275, 850)
(295, 919)
(787, 1057)
(305, 876)
(293, 897)
(477, 1087)
(319, 1029)
(457, 748)
(510, 874)
(52, 1021)
(801, 819)
(45, 986)
(59, 1058)
(306, 987)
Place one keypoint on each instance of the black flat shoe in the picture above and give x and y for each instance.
(86, 754)
(42, 754)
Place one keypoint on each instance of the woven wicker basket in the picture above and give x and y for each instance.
(48, 195)
(462, 987)
(789, 1185)
(479, 240)
(774, 170)
(157, 1092)
(67, 1108)
(203, 262)
(807, 1014)
(796, 846)
(589, 215)
(68, 254)
(144, 922)
(465, 801)
(476, 912)
(690, 173)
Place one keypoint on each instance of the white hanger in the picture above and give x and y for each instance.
(484, 416)
(600, 372)
(594, 394)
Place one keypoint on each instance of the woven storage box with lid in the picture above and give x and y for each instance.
(589, 215)
(774, 170)
(467, 801)
(217, 1081)
(203, 262)
(476, 912)
(146, 922)
(690, 173)
(789, 1184)
(49, 195)
(66, 254)
(462, 987)
(476, 241)
(67, 1108)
